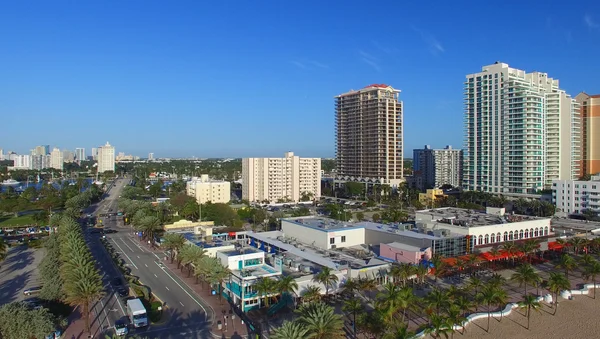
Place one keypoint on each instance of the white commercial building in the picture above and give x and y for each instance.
(522, 131)
(22, 162)
(576, 196)
(204, 190)
(438, 167)
(56, 159)
(279, 179)
(80, 154)
(106, 158)
(39, 162)
(489, 228)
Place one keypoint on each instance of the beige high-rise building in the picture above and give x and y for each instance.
(56, 159)
(369, 135)
(290, 178)
(522, 131)
(590, 133)
(437, 167)
(204, 190)
(106, 158)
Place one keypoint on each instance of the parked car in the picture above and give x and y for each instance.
(122, 291)
(32, 290)
(117, 282)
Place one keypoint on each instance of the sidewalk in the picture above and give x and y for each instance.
(234, 329)
(76, 327)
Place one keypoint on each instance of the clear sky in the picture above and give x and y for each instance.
(257, 78)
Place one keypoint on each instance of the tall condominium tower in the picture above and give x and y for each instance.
(57, 159)
(369, 138)
(288, 178)
(80, 154)
(438, 167)
(94, 153)
(106, 158)
(521, 131)
(590, 133)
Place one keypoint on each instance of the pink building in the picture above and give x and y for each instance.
(404, 253)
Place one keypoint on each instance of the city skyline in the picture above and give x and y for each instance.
(166, 77)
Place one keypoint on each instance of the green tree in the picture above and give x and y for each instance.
(591, 272)
(526, 275)
(327, 278)
(287, 284)
(3, 249)
(376, 217)
(491, 295)
(150, 226)
(439, 266)
(360, 216)
(529, 303)
(567, 263)
(353, 306)
(173, 242)
(18, 321)
(320, 321)
(52, 283)
(311, 293)
(265, 287)
(290, 330)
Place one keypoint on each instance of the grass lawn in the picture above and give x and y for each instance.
(22, 220)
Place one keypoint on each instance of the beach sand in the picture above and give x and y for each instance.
(575, 318)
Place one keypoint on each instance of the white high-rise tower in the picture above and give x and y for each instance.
(106, 158)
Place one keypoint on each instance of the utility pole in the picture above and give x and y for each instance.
(200, 211)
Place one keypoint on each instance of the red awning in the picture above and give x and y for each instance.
(555, 246)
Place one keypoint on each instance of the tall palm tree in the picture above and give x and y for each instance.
(219, 275)
(149, 226)
(311, 293)
(264, 287)
(495, 252)
(439, 266)
(590, 272)
(526, 275)
(497, 280)
(567, 263)
(320, 321)
(399, 332)
(577, 243)
(511, 250)
(406, 301)
(530, 302)
(557, 282)
(491, 295)
(327, 278)
(388, 301)
(353, 306)
(287, 284)
(173, 242)
(290, 330)
(350, 287)
(439, 326)
(456, 317)
(437, 299)
(84, 291)
(472, 262)
(475, 284)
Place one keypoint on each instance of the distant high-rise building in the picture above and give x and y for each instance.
(68, 156)
(287, 178)
(437, 167)
(106, 158)
(39, 162)
(94, 153)
(590, 133)
(57, 159)
(522, 131)
(369, 135)
(41, 150)
(1, 154)
(80, 154)
(22, 161)
(150, 156)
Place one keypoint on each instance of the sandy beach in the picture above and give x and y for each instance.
(574, 319)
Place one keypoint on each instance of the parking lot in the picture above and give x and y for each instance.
(19, 272)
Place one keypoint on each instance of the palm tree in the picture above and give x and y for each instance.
(173, 242)
(287, 284)
(577, 243)
(312, 293)
(406, 301)
(495, 252)
(440, 325)
(290, 330)
(350, 287)
(586, 259)
(567, 263)
(439, 266)
(511, 250)
(389, 300)
(472, 261)
(491, 295)
(353, 306)
(497, 280)
(437, 299)
(320, 321)
(475, 284)
(557, 282)
(219, 275)
(84, 291)
(399, 332)
(526, 275)
(264, 287)
(530, 302)
(327, 278)
(456, 317)
(149, 226)
(590, 272)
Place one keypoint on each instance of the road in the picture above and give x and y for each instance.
(186, 313)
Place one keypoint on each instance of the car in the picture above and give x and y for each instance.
(123, 292)
(121, 327)
(34, 303)
(32, 290)
(117, 282)
(109, 231)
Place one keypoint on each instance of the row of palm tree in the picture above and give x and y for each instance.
(316, 320)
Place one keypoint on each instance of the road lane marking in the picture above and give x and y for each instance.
(105, 314)
(138, 257)
(155, 275)
(183, 289)
(138, 245)
(182, 304)
(124, 243)
(146, 265)
(167, 288)
(125, 254)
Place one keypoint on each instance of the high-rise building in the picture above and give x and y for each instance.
(437, 167)
(41, 150)
(204, 190)
(521, 131)
(590, 133)
(150, 156)
(106, 158)
(94, 153)
(68, 156)
(56, 159)
(22, 162)
(1, 154)
(39, 162)
(80, 154)
(276, 179)
(369, 135)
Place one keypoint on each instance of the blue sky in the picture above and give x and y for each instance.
(257, 78)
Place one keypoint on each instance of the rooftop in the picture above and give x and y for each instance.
(323, 224)
(405, 247)
(198, 241)
(240, 251)
(461, 217)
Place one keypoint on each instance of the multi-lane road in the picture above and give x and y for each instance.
(187, 315)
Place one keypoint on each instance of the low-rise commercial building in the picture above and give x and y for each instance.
(204, 189)
(576, 196)
(431, 196)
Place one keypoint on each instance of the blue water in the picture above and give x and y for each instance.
(38, 185)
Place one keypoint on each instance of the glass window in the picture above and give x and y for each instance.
(343, 238)
(331, 241)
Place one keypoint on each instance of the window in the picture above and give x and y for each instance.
(331, 241)
(343, 238)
